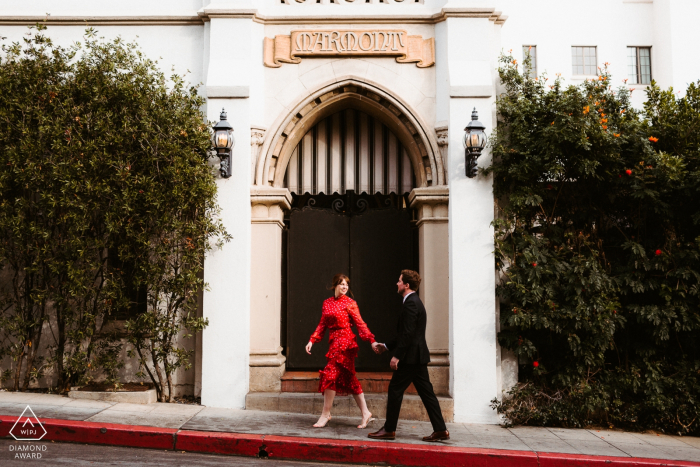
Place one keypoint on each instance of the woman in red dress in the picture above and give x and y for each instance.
(338, 377)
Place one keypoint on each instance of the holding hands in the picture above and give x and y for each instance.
(378, 348)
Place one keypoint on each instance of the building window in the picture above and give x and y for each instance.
(639, 65)
(530, 50)
(584, 60)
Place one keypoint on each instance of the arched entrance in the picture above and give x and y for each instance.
(288, 146)
(349, 177)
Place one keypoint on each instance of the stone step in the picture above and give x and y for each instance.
(343, 406)
(307, 381)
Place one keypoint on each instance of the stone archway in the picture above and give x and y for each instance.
(420, 143)
(270, 199)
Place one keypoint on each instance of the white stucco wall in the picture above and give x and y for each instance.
(220, 43)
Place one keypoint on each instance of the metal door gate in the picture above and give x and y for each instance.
(368, 237)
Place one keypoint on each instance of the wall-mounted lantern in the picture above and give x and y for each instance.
(222, 141)
(474, 143)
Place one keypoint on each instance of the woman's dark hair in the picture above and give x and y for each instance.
(337, 279)
(412, 278)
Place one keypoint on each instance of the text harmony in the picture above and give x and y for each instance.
(346, 43)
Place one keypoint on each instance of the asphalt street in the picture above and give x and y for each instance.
(12, 453)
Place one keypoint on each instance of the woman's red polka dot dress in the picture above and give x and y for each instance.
(339, 374)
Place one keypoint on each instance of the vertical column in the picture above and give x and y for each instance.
(226, 304)
(267, 217)
(466, 81)
(431, 203)
(675, 37)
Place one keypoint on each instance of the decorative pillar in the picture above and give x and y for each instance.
(466, 81)
(431, 204)
(233, 76)
(267, 222)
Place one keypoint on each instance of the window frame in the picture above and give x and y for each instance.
(534, 59)
(583, 65)
(638, 65)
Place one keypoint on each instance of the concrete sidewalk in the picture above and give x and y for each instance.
(206, 419)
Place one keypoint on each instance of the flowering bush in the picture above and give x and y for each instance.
(603, 198)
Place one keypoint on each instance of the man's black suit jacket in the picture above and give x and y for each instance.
(410, 346)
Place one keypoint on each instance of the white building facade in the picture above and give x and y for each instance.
(366, 96)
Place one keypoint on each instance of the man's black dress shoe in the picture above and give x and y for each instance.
(437, 436)
(382, 434)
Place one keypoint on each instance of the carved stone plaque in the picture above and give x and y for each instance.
(349, 43)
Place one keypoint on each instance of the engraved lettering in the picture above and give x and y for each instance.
(337, 41)
(360, 42)
(401, 38)
(328, 42)
(319, 41)
(303, 41)
(385, 42)
(350, 41)
(394, 37)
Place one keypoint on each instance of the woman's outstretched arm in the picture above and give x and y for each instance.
(365, 334)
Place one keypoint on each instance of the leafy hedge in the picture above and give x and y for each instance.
(598, 246)
(105, 189)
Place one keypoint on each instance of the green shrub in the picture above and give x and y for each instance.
(105, 188)
(598, 247)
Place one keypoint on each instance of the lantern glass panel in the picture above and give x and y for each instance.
(221, 139)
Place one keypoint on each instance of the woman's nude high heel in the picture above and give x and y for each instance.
(366, 422)
(316, 425)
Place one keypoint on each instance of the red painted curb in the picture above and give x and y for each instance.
(236, 444)
(100, 433)
(368, 452)
(553, 459)
(322, 450)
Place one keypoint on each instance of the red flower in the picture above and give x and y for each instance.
(628, 172)
(658, 252)
(614, 311)
(535, 363)
(534, 265)
(653, 139)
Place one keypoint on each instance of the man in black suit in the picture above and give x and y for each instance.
(410, 362)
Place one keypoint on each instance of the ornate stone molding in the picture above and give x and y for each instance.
(266, 368)
(439, 357)
(431, 203)
(273, 358)
(205, 14)
(349, 43)
(257, 138)
(99, 20)
(442, 140)
(414, 135)
(268, 204)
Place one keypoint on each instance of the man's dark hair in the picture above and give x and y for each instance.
(412, 278)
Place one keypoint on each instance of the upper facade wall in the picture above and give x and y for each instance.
(101, 7)
(176, 31)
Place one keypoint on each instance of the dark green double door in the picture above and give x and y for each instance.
(371, 247)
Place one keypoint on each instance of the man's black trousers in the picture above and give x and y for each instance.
(402, 379)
